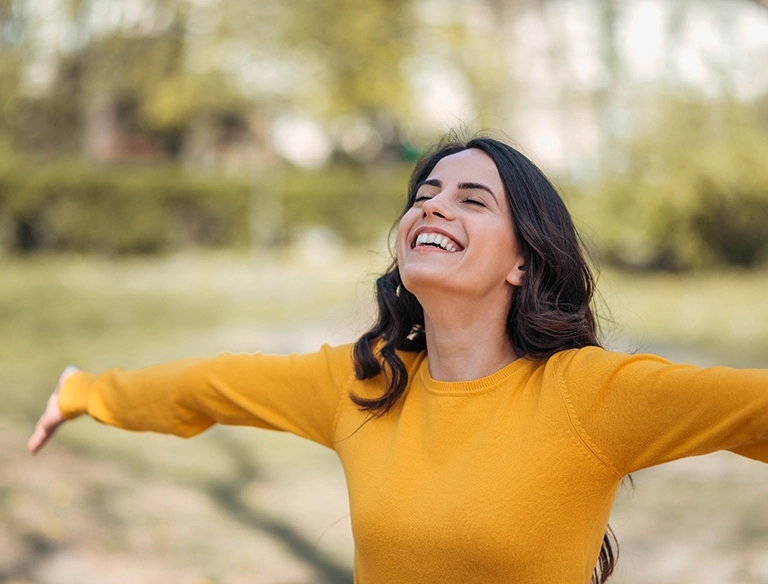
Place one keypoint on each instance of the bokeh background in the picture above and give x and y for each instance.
(186, 177)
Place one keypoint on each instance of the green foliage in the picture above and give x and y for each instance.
(176, 102)
(361, 45)
(118, 211)
(145, 210)
(139, 61)
(177, 82)
(691, 191)
(10, 80)
(358, 202)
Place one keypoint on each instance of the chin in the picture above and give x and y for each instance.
(422, 281)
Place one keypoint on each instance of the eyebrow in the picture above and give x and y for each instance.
(433, 182)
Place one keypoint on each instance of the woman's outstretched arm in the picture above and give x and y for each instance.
(636, 411)
(294, 393)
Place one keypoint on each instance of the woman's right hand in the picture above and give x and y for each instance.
(51, 418)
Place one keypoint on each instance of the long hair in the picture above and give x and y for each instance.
(551, 311)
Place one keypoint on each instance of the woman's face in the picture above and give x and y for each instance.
(458, 235)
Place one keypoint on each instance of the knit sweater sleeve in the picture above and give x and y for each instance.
(636, 411)
(294, 393)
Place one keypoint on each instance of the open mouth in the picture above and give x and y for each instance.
(436, 240)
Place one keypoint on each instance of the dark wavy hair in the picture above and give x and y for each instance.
(551, 311)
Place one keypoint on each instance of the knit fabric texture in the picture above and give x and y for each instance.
(509, 478)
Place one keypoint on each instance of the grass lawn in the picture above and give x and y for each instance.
(235, 505)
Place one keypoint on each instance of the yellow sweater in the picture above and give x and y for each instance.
(509, 478)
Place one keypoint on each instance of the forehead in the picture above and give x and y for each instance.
(471, 165)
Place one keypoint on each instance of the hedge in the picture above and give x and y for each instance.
(150, 210)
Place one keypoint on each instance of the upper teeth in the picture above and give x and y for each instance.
(434, 238)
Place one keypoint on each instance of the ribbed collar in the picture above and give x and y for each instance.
(488, 383)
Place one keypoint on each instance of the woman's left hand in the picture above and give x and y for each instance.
(51, 418)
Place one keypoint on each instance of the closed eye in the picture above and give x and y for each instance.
(475, 202)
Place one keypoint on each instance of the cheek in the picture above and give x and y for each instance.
(403, 229)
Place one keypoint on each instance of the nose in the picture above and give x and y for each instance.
(436, 206)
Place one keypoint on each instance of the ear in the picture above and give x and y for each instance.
(515, 276)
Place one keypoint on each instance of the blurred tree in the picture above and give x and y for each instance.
(477, 40)
(118, 74)
(202, 83)
(352, 53)
(605, 95)
(361, 45)
(694, 192)
(124, 92)
(177, 77)
(13, 44)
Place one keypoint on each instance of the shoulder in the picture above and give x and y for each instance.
(591, 371)
(597, 361)
(344, 356)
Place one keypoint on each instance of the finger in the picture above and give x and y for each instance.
(46, 425)
(44, 429)
(51, 418)
(39, 437)
(36, 440)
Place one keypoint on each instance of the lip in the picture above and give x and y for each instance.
(436, 230)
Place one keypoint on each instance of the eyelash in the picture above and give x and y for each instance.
(475, 202)
(471, 201)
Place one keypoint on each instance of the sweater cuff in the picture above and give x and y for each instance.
(73, 396)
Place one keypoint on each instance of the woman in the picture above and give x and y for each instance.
(482, 430)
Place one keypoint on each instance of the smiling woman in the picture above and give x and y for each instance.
(463, 207)
(482, 429)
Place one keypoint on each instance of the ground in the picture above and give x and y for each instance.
(238, 505)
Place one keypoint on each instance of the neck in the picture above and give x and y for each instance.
(466, 341)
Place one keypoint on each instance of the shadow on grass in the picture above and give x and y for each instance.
(228, 496)
(40, 549)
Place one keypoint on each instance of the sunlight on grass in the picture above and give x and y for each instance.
(716, 318)
(132, 312)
